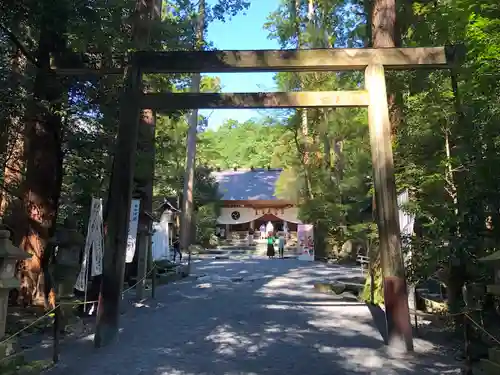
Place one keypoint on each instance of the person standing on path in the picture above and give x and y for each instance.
(270, 246)
(177, 248)
(262, 229)
(270, 228)
(281, 245)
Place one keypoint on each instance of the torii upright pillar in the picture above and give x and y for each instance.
(394, 281)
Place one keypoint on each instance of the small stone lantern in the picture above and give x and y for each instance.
(66, 261)
(65, 264)
(493, 260)
(9, 256)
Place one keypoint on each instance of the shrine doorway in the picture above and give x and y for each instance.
(276, 221)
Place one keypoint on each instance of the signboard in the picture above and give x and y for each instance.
(94, 242)
(132, 230)
(305, 241)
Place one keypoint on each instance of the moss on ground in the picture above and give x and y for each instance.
(26, 368)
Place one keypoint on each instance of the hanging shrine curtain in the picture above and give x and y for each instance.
(241, 215)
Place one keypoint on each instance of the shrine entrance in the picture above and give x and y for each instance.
(277, 223)
(374, 62)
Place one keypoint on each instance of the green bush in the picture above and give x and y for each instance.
(206, 219)
(378, 293)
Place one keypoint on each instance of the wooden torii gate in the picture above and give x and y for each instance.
(374, 97)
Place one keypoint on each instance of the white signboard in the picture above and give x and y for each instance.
(132, 230)
(94, 242)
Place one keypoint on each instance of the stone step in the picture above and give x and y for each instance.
(494, 355)
(487, 367)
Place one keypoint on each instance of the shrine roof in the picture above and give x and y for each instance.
(248, 184)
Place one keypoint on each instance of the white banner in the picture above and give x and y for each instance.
(161, 248)
(94, 242)
(132, 230)
(406, 220)
(97, 242)
(406, 223)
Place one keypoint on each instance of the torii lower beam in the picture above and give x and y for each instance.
(304, 99)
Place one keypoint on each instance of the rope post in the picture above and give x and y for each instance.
(415, 295)
(153, 282)
(55, 353)
(372, 286)
(468, 361)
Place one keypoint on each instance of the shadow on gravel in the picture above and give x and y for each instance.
(276, 324)
(378, 316)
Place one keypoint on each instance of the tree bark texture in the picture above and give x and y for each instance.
(394, 281)
(146, 12)
(13, 137)
(189, 173)
(385, 32)
(44, 171)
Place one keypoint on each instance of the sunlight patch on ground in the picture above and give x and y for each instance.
(173, 371)
(370, 360)
(282, 307)
(230, 343)
(204, 285)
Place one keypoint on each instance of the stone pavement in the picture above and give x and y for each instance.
(267, 322)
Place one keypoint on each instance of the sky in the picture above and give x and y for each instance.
(245, 31)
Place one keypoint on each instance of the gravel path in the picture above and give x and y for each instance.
(269, 322)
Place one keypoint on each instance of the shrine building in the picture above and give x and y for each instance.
(249, 200)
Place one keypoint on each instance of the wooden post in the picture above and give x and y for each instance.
(143, 178)
(149, 11)
(395, 291)
(189, 174)
(57, 334)
(119, 210)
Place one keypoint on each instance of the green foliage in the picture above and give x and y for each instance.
(445, 151)
(91, 107)
(258, 144)
(206, 220)
(373, 294)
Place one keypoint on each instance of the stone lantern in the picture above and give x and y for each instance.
(9, 256)
(493, 260)
(65, 266)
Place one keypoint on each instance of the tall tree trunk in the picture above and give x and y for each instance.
(145, 14)
(368, 9)
(327, 143)
(188, 188)
(338, 147)
(457, 182)
(44, 172)
(384, 33)
(327, 147)
(303, 112)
